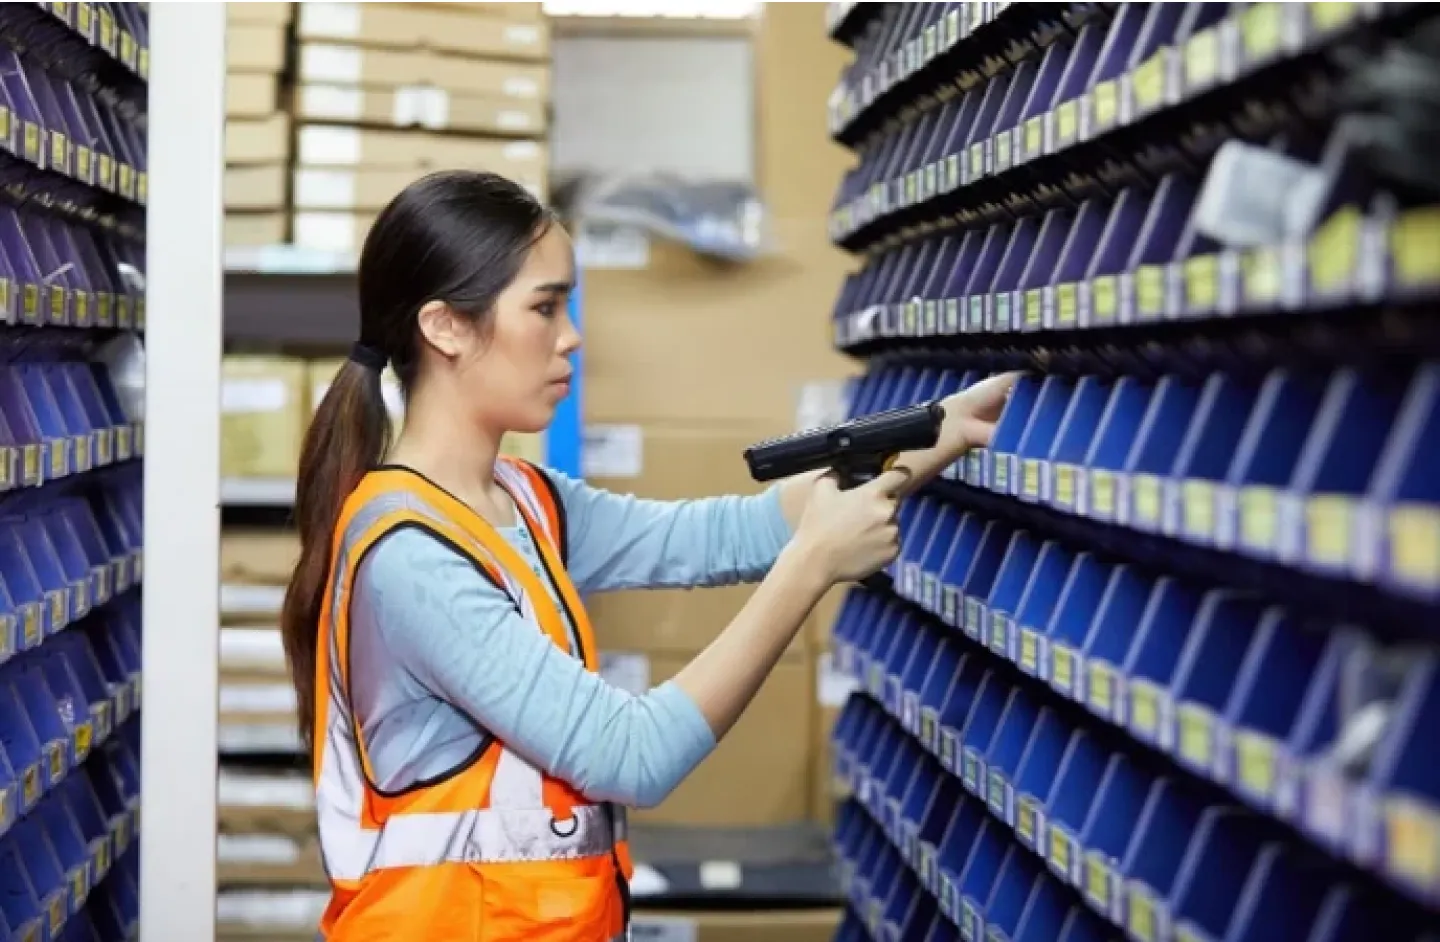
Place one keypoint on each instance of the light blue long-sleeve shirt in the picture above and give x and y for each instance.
(439, 655)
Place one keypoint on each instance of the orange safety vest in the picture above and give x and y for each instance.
(497, 850)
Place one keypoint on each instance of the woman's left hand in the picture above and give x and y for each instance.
(977, 409)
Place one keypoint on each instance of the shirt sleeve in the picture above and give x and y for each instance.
(619, 541)
(457, 635)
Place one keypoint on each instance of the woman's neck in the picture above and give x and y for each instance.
(456, 455)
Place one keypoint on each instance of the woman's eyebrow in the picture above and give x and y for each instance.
(555, 287)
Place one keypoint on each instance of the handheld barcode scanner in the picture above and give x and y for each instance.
(857, 451)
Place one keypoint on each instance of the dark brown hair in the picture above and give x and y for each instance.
(458, 237)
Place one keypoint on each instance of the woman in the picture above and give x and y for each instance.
(470, 765)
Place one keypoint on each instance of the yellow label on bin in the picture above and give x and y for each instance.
(1148, 499)
(1034, 307)
(1025, 819)
(1149, 81)
(82, 309)
(1035, 135)
(1097, 881)
(30, 463)
(1335, 251)
(59, 610)
(1067, 304)
(1255, 762)
(31, 135)
(82, 163)
(1062, 666)
(1202, 282)
(1030, 483)
(1142, 916)
(1412, 841)
(1102, 492)
(30, 303)
(1261, 30)
(1150, 290)
(1067, 122)
(1415, 246)
(1102, 689)
(57, 458)
(1029, 650)
(1328, 519)
(1145, 709)
(1260, 275)
(1060, 850)
(57, 761)
(1259, 517)
(1415, 543)
(1197, 735)
(84, 738)
(1106, 96)
(1104, 298)
(1065, 485)
(1326, 17)
(30, 627)
(1202, 58)
(30, 786)
(1199, 502)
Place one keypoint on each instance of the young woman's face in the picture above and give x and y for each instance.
(516, 370)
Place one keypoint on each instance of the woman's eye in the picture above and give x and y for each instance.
(547, 309)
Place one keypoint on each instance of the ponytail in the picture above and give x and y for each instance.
(349, 435)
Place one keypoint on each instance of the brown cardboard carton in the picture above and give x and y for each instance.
(760, 774)
(258, 140)
(370, 189)
(250, 94)
(334, 146)
(806, 925)
(417, 26)
(258, 556)
(257, 187)
(255, 48)
(255, 229)
(337, 232)
(421, 106)
(274, 14)
(262, 416)
(325, 63)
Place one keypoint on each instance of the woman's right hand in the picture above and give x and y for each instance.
(853, 533)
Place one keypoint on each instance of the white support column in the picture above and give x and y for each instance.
(182, 471)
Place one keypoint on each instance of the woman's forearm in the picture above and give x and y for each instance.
(725, 677)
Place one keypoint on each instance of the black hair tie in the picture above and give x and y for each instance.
(368, 357)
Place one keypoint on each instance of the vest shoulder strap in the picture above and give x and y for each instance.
(547, 495)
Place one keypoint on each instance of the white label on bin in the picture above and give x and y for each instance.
(330, 20)
(408, 107)
(324, 189)
(332, 102)
(329, 146)
(612, 451)
(629, 672)
(833, 686)
(435, 109)
(246, 396)
(648, 928)
(342, 65)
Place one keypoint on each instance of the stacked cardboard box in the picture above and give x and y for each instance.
(388, 92)
(257, 134)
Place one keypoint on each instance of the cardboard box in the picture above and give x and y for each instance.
(257, 187)
(336, 64)
(263, 416)
(251, 94)
(349, 147)
(274, 14)
(255, 229)
(760, 774)
(422, 26)
(257, 140)
(809, 925)
(421, 106)
(255, 47)
(337, 232)
(685, 339)
(258, 556)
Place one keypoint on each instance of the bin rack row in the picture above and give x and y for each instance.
(60, 418)
(55, 271)
(1332, 474)
(999, 797)
(69, 870)
(1134, 260)
(115, 33)
(1073, 123)
(64, 113)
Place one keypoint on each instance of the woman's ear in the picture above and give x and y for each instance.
(442, 329)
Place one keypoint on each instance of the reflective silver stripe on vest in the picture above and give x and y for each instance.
(491, 836)
(516, 827)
